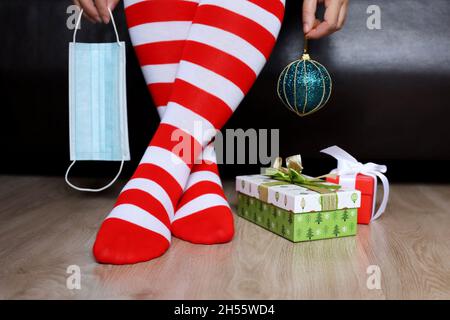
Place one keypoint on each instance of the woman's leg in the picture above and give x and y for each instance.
(227, 46)
(159, 58)
(158, 31)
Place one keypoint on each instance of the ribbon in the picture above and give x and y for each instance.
(263, 189)
(293, 175)
(329, 201)
(348, 165)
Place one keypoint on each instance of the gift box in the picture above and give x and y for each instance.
(366, 185)
(351, 174)
(296, 212)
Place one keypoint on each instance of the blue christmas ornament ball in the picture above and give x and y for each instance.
(304, 86)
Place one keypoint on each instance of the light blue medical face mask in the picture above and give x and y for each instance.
(97, 103)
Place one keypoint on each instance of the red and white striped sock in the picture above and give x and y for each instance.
(227, 46)
(212, 218)
(203, 214)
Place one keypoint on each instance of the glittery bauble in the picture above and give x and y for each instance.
(304, 86)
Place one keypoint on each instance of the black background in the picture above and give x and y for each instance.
(390, 102)
(164, 309)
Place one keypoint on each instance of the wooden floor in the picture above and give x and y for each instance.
(45, 227)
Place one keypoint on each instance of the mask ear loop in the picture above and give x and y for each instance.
(115, 28)
(77, 24)
(89, 189)
(66, 177)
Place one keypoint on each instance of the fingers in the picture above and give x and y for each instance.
(90, 10)
(329, 25)
(97, 10)
(77, 3)
(112, 4)
(335, 13)
(316, 23)
(309, 14)
(342, 15)
(102, 8)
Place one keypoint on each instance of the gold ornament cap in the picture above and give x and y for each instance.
(305, 55)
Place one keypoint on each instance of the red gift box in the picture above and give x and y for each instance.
(365, 184)
(351, 174)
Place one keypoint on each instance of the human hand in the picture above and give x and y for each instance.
(334, 18)
(97, 10)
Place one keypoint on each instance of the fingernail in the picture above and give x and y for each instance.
(305, 27)
(106, 19)
(98, 19)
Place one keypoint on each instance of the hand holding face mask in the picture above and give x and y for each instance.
(97, 103)
(97, 10)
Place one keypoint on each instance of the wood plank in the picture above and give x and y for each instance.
(45, 227)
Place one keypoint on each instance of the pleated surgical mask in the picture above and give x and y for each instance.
(97, 103)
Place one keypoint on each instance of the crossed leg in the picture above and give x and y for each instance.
(227, 44)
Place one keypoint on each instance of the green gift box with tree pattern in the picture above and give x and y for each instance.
(295, 212)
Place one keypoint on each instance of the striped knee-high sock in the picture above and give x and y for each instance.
(212, 219)
(227, 46)
(203, 214)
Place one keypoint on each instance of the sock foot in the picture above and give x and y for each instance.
(212, 225)
(122, 242)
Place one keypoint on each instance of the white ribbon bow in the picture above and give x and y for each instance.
(348, 165)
